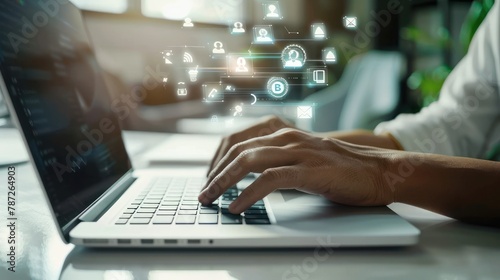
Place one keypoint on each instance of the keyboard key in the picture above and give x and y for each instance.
(254, 217)
(209, 211)
(121, 222)
(165, 213)
(257, 221)
(259, 203)
(163, 220)
(256, 212)
(208, 219)
(146, 210)
(256, 207)
(168, 208)
(172, 198)
(126, 216)
(228, 219)
(185, 220)
(189, 207)
(129, 211)
(169, 203)
(144, 215)
(150, 206)
(187, 212)
(133, 206)
(184, 202)
(140, 221)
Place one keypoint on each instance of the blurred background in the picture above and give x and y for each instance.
(394, 62)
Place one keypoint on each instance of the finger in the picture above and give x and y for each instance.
(255, 160)
(265, 127)
(236, 150)
(212, 163)
(270, 180)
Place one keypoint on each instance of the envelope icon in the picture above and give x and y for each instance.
(350, 22)
(305, 112)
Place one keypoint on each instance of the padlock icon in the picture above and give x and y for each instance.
(181, 89)
(214, 119)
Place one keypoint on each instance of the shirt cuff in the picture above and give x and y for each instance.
(416, 137)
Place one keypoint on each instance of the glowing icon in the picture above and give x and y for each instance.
(188, 58)
(277, 87)
(218, 48)
(193, 74)
(254, 99)
(330, 55)
(188, 22)
(241, 65)
(272, 11)
(319, 31)
(165, 80)
(167, 55)
(317, 76)
(305, 112)
(263, 34)
(238, 28)
(293, 56)
(213, 93)
(230, 88)
(181, 89)
(238, 111)
(350, 22)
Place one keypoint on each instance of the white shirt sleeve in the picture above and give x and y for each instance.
(467, 115)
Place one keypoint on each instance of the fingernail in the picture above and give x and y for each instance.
(202, 198)
(234, 208)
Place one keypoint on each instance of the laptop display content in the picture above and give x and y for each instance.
(62, 104)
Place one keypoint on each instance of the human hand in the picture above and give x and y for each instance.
(267, 126)
(292, 159)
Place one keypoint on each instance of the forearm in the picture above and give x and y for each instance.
(461, 188)
(365, 138)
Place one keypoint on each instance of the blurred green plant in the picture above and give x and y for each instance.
(430, 81)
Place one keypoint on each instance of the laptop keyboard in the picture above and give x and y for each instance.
(175, 201)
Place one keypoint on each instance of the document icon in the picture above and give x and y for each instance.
(351, 22)
(305, 112)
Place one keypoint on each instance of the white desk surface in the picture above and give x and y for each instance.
(448, 250)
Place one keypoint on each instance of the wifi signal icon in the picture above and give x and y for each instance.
(188, 58)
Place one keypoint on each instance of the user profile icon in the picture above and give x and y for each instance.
(218, 48)
(272, 11)
(238, 28)
(188, 22)
(239, 65)
(263, 35)
(293, 57)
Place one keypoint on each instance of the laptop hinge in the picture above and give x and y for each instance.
(94, 212)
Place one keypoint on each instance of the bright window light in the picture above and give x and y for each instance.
(207, 11)
(107, 6)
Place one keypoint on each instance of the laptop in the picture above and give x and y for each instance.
(53, 87)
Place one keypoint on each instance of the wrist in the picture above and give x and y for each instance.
(398, 173)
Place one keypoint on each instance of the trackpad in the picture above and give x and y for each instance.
(293, 197)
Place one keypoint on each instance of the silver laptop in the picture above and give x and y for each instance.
(59, 101)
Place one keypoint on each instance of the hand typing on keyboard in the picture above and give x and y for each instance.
(289, 158)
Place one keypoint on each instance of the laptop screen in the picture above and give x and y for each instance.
(63, 106)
